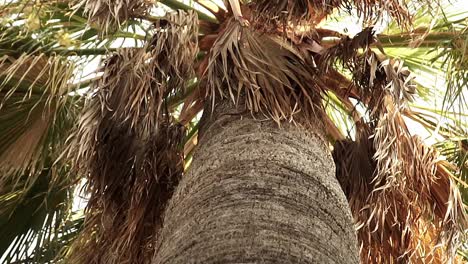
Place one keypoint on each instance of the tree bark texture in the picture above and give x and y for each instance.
(257, 193)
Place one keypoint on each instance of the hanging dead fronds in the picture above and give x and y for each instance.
(348, 50)
(165, 62)
(129, 145)
(271, 76)
(355, 55)
(373, 75)
(108, 15)
(415, 216)
(408, 174)
(130, 181)
(355, 166)
(375, 10)
(405, 208)
(281, 13)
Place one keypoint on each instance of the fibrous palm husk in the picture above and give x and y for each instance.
(129, 145)
(271, 75)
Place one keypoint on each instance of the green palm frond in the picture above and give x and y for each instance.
(36, 113)
(31, 216)
(53, 27)
(341, 115)
(456, 152)
(36, 110)
(439, 50)
(58, 247)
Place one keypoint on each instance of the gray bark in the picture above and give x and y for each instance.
(257, 193)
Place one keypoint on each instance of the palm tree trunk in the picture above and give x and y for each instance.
(257, 193)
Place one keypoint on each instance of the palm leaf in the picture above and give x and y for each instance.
(389, 171)
(129, 144)
(31, 217)
(270, 74)
(56, 250)
(36, 113)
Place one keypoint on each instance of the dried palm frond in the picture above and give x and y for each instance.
(33, 112)
(405, 205)
(284, 11)
(408, 174)
(373, 75)
(287, 12)
(355, 167)
(427, 209)
(418, 219)
(130, 147)
(406, 208)
(131, 181)
(108, 15)
(272, 76)
(374, 10)
(347, 50)
(355, 55)
(36, 114)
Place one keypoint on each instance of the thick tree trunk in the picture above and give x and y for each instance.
(256, 193)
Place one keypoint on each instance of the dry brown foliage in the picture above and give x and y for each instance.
(108, 15)
(130, 147)
(406, 209)
(33, 90)
(286, 12)
(273, 77)
(414, 213)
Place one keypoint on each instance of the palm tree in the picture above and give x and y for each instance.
(260, 132)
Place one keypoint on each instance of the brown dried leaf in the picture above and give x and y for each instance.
(406, 206)
(271, 75)
(281, 13)
(129, 145)
(108, 15)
